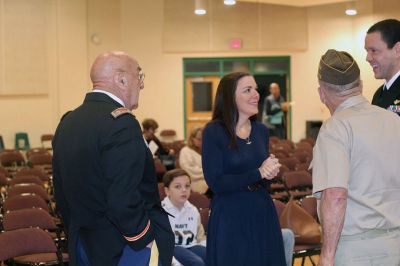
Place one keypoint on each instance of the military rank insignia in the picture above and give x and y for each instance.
(120, 111)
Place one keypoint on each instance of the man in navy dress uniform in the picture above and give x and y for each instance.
(382, 44)
(104, 178)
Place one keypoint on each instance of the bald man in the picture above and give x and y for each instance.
(275, 108)
(104, 178)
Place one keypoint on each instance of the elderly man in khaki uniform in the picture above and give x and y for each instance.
(356, 171)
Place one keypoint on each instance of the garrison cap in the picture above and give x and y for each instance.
(338, 68)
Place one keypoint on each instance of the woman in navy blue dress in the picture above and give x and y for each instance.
(243, 228)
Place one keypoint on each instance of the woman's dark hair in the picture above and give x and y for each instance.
(172, 174)
(149, 123)
(225, 108)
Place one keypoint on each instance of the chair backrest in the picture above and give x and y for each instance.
(309, 204)
(25, 241)
(280, 154)
(4, 171)
(297, 179)
(46, 137)
(22, 141)
(204, 215)
(32, 151)
(25, 201)
(1, 143)
(26, 218)
(303, 156)
(279, 207)
(309, 140)
(161, 191)
(3, 180)
(11, 158)
(177, 146)
(282, 170)
(168, 135)
(302, 166)
(29, 179)
(290, 162)
(24, 188)
(41, 159)
(199, 200)
(39, 172)
(274, 139)
(304, 145)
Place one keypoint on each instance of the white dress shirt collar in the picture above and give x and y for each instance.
(112, 96)
(392, 80)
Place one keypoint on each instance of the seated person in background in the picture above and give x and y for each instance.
(190, 240)
(166, 155)
(190, 160)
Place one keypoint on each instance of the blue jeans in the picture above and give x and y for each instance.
(193, 256)
(288, 244)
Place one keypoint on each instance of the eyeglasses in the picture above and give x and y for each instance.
(141, 75)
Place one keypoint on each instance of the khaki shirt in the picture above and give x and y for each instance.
(358, 148)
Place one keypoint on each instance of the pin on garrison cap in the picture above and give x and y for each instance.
(338, 68)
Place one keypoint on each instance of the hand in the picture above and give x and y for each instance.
(171, 152)
(270, 167)
(285, 106)
(150, 244)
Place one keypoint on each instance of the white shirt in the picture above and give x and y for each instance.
(112, 96)
(392, 80)
(190, 161)
(186, 224)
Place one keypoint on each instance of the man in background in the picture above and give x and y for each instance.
(104, 178)
(382, 44)
(275, 109)
(356, 171)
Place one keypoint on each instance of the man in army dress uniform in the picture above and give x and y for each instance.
(104, 178)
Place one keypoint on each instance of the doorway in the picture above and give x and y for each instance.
(202, 75)
(200, 94)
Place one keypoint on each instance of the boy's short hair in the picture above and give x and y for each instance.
(172, 174)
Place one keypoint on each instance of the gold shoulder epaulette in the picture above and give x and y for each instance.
(120, 111)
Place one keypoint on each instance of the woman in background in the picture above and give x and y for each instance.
(243, 228)
(190, 160)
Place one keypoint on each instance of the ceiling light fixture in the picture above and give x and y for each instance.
(351, 9)
(200, 7)
(230, 2)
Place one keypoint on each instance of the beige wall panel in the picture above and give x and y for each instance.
(27, 28)
(162, 96)
(37, 115)
(104, 26)
(240, 21)
(386, 9)
(72, 56)
(283, 27)
(183, 30)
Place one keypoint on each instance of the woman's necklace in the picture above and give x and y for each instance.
(248, 142)
(247, 139)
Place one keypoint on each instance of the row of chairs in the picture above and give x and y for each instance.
(29, 223)
(22, 141)
(30, 227)
(39, 158)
